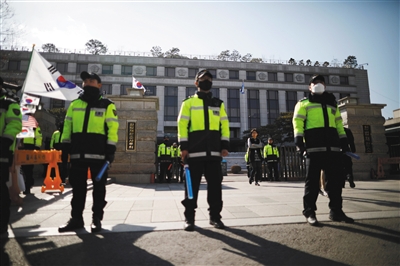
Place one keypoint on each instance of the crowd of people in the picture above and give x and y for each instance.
(88, 139)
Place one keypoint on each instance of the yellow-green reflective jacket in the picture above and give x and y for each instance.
(203, 126)
(35, 141)
(55, 142)
(175, 152)
(164, 151)
(89, 129)
(10, 120)
(317, 119)
(271, 153)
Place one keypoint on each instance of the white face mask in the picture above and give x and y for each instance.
(318, 88)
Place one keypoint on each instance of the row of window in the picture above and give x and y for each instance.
(170, 72)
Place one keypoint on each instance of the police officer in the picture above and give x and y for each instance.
(89, 137)
(31, 143)
(203, 133)
(271, 155)
(55, 143)
(317, 120)
(255, 150)
(176, 159)
(348, 163)
(10, 126)
(164, 158)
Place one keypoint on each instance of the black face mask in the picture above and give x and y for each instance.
(205, 85)
(90, 94)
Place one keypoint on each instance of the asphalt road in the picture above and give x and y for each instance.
(366, 242)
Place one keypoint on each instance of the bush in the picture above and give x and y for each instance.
(235, 169)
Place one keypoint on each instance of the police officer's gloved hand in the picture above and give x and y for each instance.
(110, 152)
(300, 149)
(344, 145)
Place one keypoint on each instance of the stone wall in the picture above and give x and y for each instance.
(137, 165)
(355, 116)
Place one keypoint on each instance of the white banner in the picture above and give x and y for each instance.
(26, 132)
(43, 79)
(29, 100)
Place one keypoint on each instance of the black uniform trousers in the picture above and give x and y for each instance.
(348, 166)
(273, 167)
(5, 201)
(78, 180)
(164, 173)
(256, 169)
(213, 174)
(332, 164)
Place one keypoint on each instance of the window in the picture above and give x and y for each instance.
(151, 71)
(326, 80)
(62, 67)
(215, 92)
(151, 91)
(106, 89)
(14, 65)
(169, 72)
(307, 78)
(288, 77)
(193, 72)
(235, 133)
(250, 75)
(55, 103)
(123, 89)
(107, 69)
(273, 106)
(291, 100)
(190, 91)
(81, 67)
(171, 131)
(344, 80)
(253, 104)
(213, 72)
(170, 103)
(126, 70)
(233, 105)
(233, 74)
(272, 76)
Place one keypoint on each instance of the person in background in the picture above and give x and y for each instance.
(203, 133)
(255, 150)
(248, 165)
(31, 143)
(348, 162)
(90, 138)
(271, 155)
(10, 126)
(319, 132)
(164, 158)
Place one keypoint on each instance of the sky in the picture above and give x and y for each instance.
(271, 30)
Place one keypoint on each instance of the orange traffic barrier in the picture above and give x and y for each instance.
(52, 157)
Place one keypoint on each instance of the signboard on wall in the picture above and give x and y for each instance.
(131, 135)
(367, 138)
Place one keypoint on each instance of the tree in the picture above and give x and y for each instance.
(301, 62)
(350, 62)
(96, 47)
(173, 53)
(281, 130)
(256, 60)
(325, 64)
(156, 51)
(8, 30)
(224, 55)
(246, 58)
(59, 113)
(317, 64)
(308, 62)
(235, 56)
(292, 62)
(50, 48)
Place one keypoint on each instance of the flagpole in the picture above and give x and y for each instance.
(27, 73)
